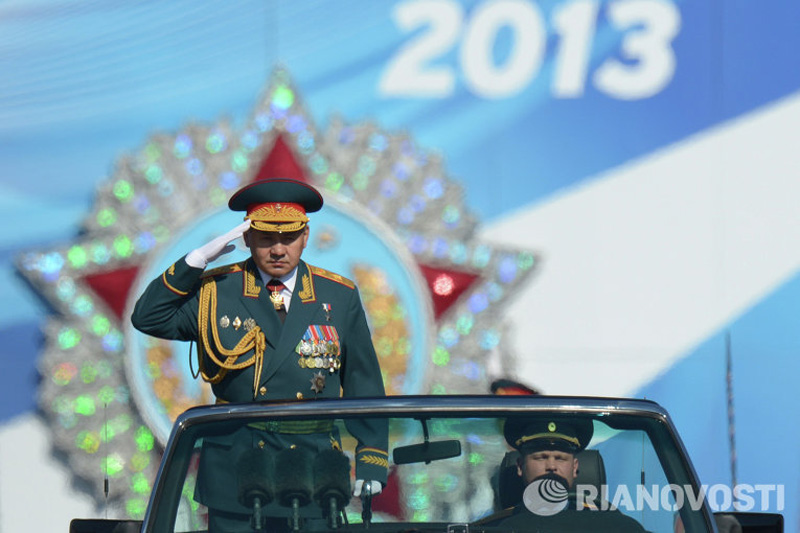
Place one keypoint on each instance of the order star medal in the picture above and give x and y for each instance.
(318, 382)
(276, 299)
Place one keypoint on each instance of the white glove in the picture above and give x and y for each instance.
(202, 256)
(376, 487)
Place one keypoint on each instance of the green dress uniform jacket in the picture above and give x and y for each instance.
(323, 348)
(519, 518)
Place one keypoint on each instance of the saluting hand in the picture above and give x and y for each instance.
(217, 247)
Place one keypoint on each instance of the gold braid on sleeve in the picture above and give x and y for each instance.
(252, 340)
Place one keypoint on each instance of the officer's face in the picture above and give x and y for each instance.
(537, 464)
(276, 253)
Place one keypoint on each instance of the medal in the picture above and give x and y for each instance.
(224, 322)
(318, 382)
(276, 299)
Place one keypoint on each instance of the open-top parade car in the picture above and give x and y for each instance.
(455, 464)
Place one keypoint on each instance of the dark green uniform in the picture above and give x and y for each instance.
(569, 519)
(322, 350)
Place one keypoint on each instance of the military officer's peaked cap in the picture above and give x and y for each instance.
(279, 198)
(277, 204)
(532, 434)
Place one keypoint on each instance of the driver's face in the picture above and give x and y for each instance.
(537, 464)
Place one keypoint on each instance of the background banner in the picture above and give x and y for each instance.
(611, 187)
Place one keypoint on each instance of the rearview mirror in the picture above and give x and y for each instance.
(426, 452)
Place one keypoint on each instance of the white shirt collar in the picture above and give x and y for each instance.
(289, 280)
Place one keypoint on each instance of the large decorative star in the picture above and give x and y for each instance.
(155, 193)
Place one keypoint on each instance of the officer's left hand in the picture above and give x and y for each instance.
(375, 485)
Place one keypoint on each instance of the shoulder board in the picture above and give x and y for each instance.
(226, 269)
(333, 276)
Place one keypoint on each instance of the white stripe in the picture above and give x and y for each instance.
(644, 262)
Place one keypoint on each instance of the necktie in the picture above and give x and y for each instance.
(275, 287)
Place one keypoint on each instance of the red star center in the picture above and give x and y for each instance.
(446, 286)
(113, 287)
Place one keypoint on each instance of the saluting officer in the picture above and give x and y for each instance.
(272, 326)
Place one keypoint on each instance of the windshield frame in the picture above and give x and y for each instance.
(164, 499)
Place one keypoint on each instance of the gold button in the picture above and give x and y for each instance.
(261, 444)
(262, 391)
(293, 446)
(299, 395)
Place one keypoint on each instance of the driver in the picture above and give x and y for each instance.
(548, 449)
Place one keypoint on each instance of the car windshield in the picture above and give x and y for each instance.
(448, 470)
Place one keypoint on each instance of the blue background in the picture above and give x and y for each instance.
(83, 83)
